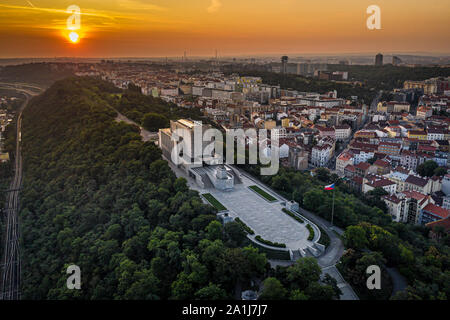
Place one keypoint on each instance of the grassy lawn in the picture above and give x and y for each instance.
(263, 194)
(214, 202)
(244, 226)
(293, 215)
(270, 243)
(270, 253)
(311, 233)
(324, 238)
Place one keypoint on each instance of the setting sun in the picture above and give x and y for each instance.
(74, 37)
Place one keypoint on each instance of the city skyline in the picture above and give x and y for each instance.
(132, 28)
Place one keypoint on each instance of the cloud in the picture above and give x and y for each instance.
(54, 11)
(215, 6)
(139, 5)
(29, 17)
(90, 13)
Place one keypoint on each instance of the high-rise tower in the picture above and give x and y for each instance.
(284, 63)
(379, 60)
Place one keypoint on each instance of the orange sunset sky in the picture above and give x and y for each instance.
(154, 28)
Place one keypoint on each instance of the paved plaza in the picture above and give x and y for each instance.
(265, 218)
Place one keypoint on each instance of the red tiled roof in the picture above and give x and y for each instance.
(363, 166)
(344, 127)
(391, 144)
(392, 199)
(414, 195)
(358, 180)
(443, 223)
(380, 155)
(345, 156)
(426, 148)
(325, 129)
(402, 170)
(417, 181)
(381, 182)
(416, 132)
(382, 163)
(435, 131)
(439, 211)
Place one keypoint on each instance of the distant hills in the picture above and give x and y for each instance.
(37, 73)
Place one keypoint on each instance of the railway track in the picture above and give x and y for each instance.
(11, 264)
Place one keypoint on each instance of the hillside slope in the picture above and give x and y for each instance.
(98, 197)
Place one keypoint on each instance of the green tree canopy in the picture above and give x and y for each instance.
(273, 290)
(427, 168)
(153, 122)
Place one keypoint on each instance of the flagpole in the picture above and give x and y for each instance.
(332, 212)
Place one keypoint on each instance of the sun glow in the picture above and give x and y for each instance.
(74, 37)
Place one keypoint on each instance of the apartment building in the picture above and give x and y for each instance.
(389, 148)
(409, 160)
(399, 176)
(396, 207)
(372, 182)
(435, 134)
(326, 132)
(362, 169)
(424, 112)
(343, 132)
(432, 213)
(417, 134)
(382, 167)
(414, 202)
(344, 159)
(418, 184)
(321, 155)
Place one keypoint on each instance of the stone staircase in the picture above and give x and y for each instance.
(237, 178)
(206, 181)
(313, 251)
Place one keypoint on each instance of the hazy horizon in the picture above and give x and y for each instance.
(256, 55)
(148, 29)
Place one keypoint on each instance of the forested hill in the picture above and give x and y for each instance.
(43, 74)
(98, 197)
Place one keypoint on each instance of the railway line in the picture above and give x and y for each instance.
(11, 263)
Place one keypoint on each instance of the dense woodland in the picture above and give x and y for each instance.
(371, 237)
(388, 77)
(305, 84)
(43, 74)
(149, 112)
(96, 196)
(372, 78)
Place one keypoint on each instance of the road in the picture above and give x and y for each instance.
(145, 134)
(376, 100)
(328, 260)
(399, 282)
(11, 264)
(334, 252)
(22, 86)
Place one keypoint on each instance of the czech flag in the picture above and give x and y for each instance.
(330, 187)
